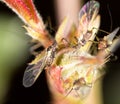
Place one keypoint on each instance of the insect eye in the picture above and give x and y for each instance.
(88, 34)
(48, 49)
(104, 44)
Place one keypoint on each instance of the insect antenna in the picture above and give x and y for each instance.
(111, 20)
(69, 92)
(36, 48)
(101, 30)
(49, 26)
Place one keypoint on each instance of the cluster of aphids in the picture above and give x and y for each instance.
(77, 55)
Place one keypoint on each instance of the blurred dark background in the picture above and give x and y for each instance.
(39, 93)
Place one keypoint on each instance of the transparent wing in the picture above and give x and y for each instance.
(32, 72)
(89, 10)
(36, 67)
(111, 36)
(88, 19)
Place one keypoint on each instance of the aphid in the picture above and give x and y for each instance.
(77, 60)
(35, 68)
(77, 85)
(88, 19)
(86, 65)
(107, 40)
(82, 86)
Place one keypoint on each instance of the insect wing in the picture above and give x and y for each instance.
(109, 41)
(111, 36)
(34, 70)
(36, 67)
(87, 15)
(62, 30)
(90, 9)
